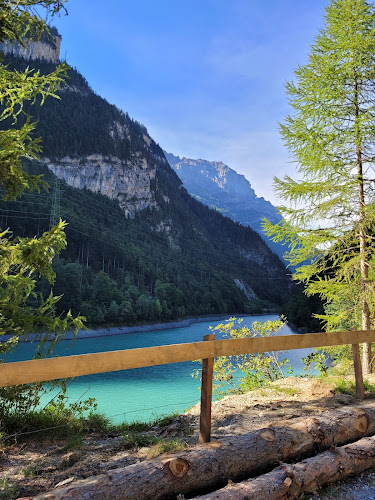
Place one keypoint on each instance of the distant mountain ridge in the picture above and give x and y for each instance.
(222, 188)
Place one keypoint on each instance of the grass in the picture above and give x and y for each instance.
(170, 446)
(165, 420)
(138, 440)
(51, 424)
(157, 445)
(136, 426)
(140, 426)
(33, 470)
(344, 386)
(285, 390)
(59, 423)
(369, 387)
(138, 434)
(73, 443)
(97, 422)
(7, 490)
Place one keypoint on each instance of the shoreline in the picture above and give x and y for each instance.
(120, 330)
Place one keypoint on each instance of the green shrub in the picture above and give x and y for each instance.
(245, 372)
(58, 419)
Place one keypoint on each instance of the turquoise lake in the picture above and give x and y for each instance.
(145, 393)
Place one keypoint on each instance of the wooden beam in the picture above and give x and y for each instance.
(230, 347)
(38, 370)
(206, 396)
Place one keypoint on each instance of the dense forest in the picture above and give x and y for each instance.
(180, 258)
(117, 270)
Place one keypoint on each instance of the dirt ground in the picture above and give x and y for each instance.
(36, 465)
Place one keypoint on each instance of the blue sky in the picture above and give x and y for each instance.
(205, 77)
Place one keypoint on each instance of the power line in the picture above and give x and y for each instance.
(139, 244)
(147, 232)
(215, 257)
(174, 257)
(55, 214)
(170, 258)
(23, 212)
(124, 220)
(25, 217)
(188, 247)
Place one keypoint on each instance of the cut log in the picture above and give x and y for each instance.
(291, 481)
(208, 467)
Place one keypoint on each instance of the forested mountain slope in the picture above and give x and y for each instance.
(222, 188)
(140, 248)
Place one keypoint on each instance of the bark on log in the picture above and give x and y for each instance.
(208, 467)
(291, 481)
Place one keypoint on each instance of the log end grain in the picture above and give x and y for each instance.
(268, 435)
(362, 424)
(178, 467)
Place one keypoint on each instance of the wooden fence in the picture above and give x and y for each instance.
(39, 370)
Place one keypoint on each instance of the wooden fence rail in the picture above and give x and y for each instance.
(40, 370)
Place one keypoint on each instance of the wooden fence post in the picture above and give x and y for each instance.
(206, 396)
(359, 386)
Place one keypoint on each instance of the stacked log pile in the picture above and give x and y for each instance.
(291, 481)
(210, 467)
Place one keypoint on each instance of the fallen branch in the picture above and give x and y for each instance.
(208, 467)
(291, 481)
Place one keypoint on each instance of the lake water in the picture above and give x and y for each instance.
(146, 393)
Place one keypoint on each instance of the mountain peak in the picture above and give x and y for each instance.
(212, 176)
(218, 186)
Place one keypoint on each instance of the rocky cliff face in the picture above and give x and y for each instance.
(220, 187)
(128, 182)
(47, 48)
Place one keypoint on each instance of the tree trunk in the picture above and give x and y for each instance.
(208, 467)
(291, 481)
(366, 322)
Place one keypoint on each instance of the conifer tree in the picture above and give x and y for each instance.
(19, 21)
(329, 210)
(23, 260)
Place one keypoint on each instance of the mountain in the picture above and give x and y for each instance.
(45, 47)
(140, 248)
(222, 188)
